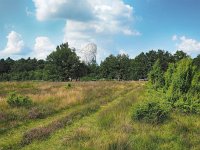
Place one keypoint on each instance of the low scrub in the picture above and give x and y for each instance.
(45, 131)
(40, 112)
(16, 100)
(188, 105)
(150, 112)
(68, 86)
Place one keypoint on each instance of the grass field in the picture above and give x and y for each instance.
(87, 116)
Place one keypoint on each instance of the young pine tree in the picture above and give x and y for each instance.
(156, 76)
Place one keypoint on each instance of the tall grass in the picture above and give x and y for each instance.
(72, 123)
(54, 98)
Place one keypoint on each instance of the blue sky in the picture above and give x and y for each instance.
(34, 27)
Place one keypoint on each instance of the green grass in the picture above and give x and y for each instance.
(90, 116)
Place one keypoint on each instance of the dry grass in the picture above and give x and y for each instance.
(49, 98)
(68, 123)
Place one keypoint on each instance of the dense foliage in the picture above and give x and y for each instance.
(178, 89)
(63, 64)
(151, 112)
(180, 84)
(16, 100)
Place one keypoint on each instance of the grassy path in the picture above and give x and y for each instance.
(103, 122)
(96, 124)
(14, 137)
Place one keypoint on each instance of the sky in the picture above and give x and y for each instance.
(33, 28)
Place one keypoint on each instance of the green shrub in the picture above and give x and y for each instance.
(181, 80)
(168, 75)
(150, 112)
(68, 86)
(196, 83)
(183, 88)
(155, 76)
(16, 100)
(188, 104)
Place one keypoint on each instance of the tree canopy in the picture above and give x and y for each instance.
(64, 64)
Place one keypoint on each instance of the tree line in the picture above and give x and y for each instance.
(63, 64)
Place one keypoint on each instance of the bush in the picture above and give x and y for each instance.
(184, 88)
(189, 104)
(16, 100)
(150, 112)
(181, 80)
(155, 76)
(68, 86)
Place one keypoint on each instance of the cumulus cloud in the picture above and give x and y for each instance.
(67, 9)
(188, 45)
(15, 45)
(43, 47)
(111, 17)
(88, 17)
(89, 21)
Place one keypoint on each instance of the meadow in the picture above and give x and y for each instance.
(89, 115)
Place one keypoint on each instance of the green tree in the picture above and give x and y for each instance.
(156, 76)
(93, 70)
(181, 80)
(116, 67)
(63, 64)
(108, 67)
(123, 67)
(196, 62)
(168, 75)
(4, 66)
(180, 55)
(143, 63)
(139, 67)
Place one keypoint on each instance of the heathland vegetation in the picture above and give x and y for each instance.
(163, 113)
(97, 115)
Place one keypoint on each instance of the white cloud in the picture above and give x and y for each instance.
(14, 46)
(88, 17)
(89, 21)
(67, 9)
(110, 18)
(43, 47)
(188, 45)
